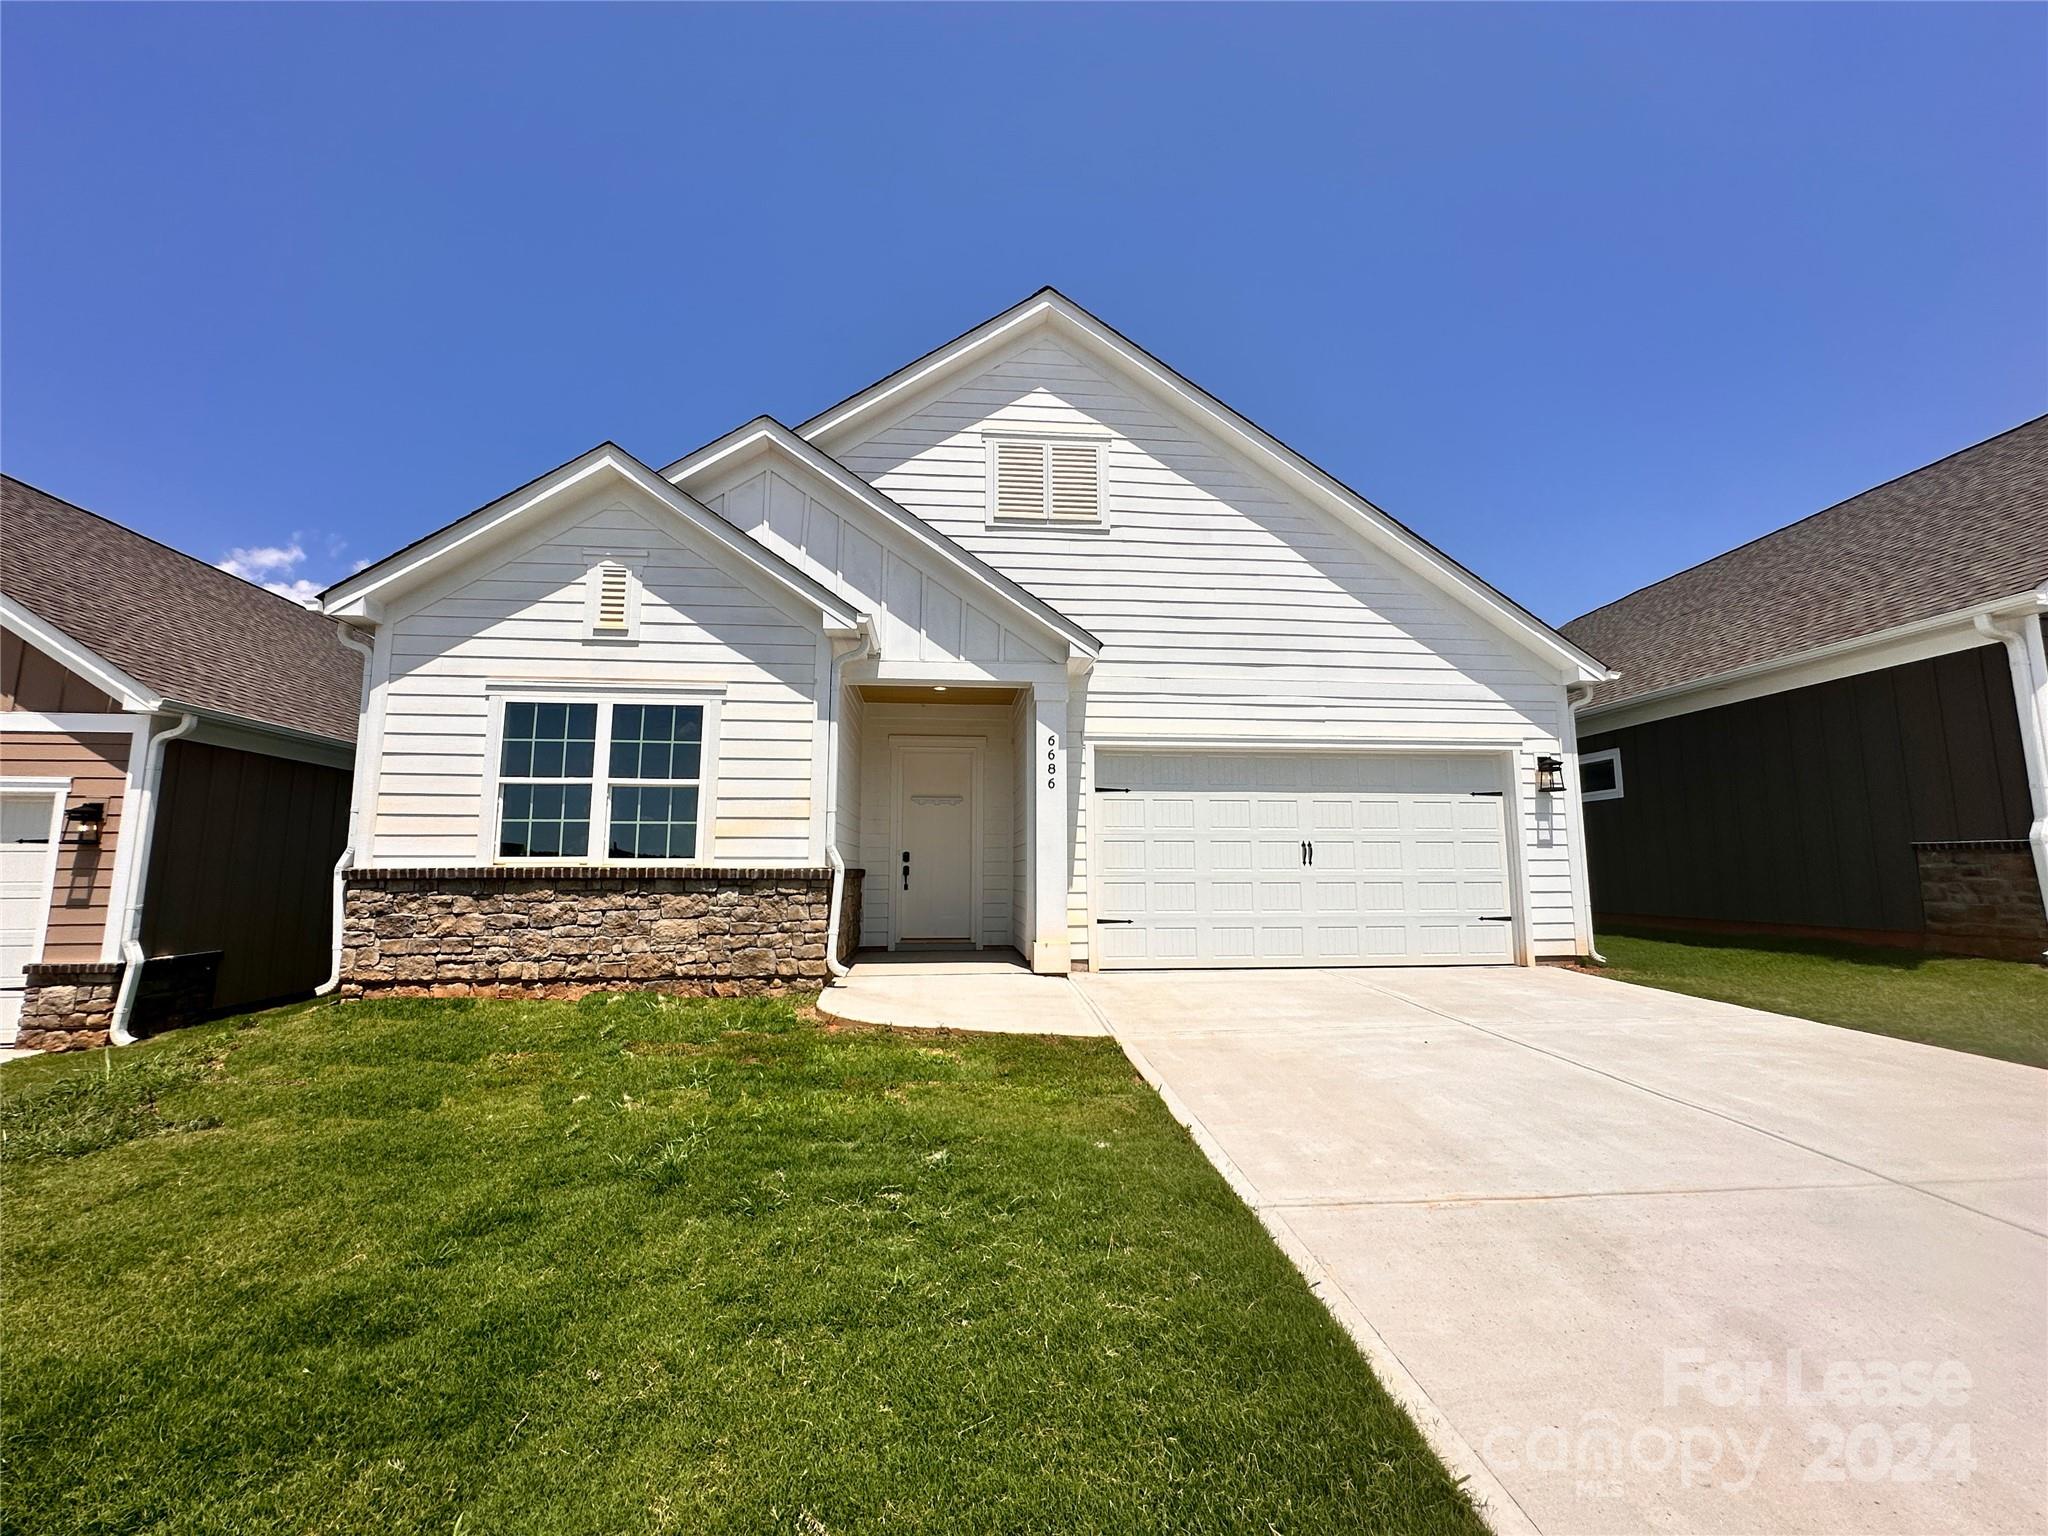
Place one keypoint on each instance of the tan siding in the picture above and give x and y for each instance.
(97, 766)
(40, 684)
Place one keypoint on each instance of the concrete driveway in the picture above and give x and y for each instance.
(1638, 1261)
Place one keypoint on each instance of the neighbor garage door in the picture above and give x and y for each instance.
(1308, 858)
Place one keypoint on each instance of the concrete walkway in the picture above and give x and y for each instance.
(989, 990)
(1637, 1261)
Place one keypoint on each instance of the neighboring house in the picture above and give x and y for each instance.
(175, 752)
(1837, 729)
(1061, 652)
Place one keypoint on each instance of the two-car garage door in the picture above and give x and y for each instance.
(1309, 858)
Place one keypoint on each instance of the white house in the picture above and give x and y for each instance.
(1052, 646)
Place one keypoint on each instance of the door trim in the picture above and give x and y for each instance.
(976, 748)
(59, 793)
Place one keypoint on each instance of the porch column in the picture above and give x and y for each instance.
(1045, 760)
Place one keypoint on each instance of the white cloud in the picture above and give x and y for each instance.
(262, 560)
(301, 591)
(271, 566)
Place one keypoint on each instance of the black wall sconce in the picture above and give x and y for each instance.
(1549, 775)
(87, 821)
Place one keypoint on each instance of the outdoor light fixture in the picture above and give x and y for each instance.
(87, 821)
(1549, 775)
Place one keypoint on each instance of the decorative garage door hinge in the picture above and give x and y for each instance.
(1104, 789)
(1114, 922)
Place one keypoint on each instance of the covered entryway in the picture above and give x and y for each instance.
(1210, 858)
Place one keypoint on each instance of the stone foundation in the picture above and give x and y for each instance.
(564, 930)
(1982, 898)
(68, 1007)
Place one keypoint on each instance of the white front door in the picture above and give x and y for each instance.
(29, 822)
(1221, 859)
(935, 864)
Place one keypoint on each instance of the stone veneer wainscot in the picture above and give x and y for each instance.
(564, 930)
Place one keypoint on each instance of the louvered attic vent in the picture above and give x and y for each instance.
(611, 601)
(1046, 482)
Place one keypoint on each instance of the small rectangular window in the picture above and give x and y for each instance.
(546, 766)
(1600, 775)
(1056, 480)
(656, 760)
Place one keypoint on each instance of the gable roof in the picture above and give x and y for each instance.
(1049, 307)
(360, 593)
(1968, 529)
(184, 631)
(768, 432)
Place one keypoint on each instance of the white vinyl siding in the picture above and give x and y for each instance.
(522, 617)
(1227, 605)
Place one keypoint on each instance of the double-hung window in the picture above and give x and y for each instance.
(600, 780)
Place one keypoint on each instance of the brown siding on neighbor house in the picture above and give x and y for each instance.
(31, 681)
(1802, 808)
(243, 862)
(97, 766)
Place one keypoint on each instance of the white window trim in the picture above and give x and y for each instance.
(1045, 438)
(1605, 755)
(59, 792)
(604, 696)
(630, 561)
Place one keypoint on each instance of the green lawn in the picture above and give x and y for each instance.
(1992, 1007)
(641, 1264)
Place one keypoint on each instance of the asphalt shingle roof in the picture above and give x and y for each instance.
(1969, 528)
(194, 634)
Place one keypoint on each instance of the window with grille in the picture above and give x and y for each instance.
(636, 769)
(1051, 480)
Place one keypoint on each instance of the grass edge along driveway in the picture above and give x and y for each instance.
(1993, 1008)
(652, 1264)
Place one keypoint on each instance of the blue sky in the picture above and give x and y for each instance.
(1582, 294)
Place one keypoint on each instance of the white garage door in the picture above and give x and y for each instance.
(1309, 858)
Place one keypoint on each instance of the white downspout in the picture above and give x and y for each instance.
(143, 829)
(1576, 694)
(865, 647)
(2024, 652)
(355, 643)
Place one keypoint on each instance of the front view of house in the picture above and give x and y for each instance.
(1032, 644)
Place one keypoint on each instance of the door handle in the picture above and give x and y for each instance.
(1304, 855)
(906, 869)
(1311, 855)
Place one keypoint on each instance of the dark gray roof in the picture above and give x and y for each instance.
(1965, 529)
(194, 634)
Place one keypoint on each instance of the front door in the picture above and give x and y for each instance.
(28, 831)
(935, 864)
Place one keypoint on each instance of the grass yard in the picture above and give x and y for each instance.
(645, 1264)
(1991, 1007)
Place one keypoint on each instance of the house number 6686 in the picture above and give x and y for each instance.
(1052, 762)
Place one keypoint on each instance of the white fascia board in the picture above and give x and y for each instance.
(1260, 446)
(67, 652)
(1921, 640)
(360, 596)
(766, 435)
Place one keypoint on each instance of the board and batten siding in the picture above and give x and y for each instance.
(1227, 606)
(920, 614)
(519, 617)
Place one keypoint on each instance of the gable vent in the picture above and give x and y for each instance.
(1047, 481)
(611, 600)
